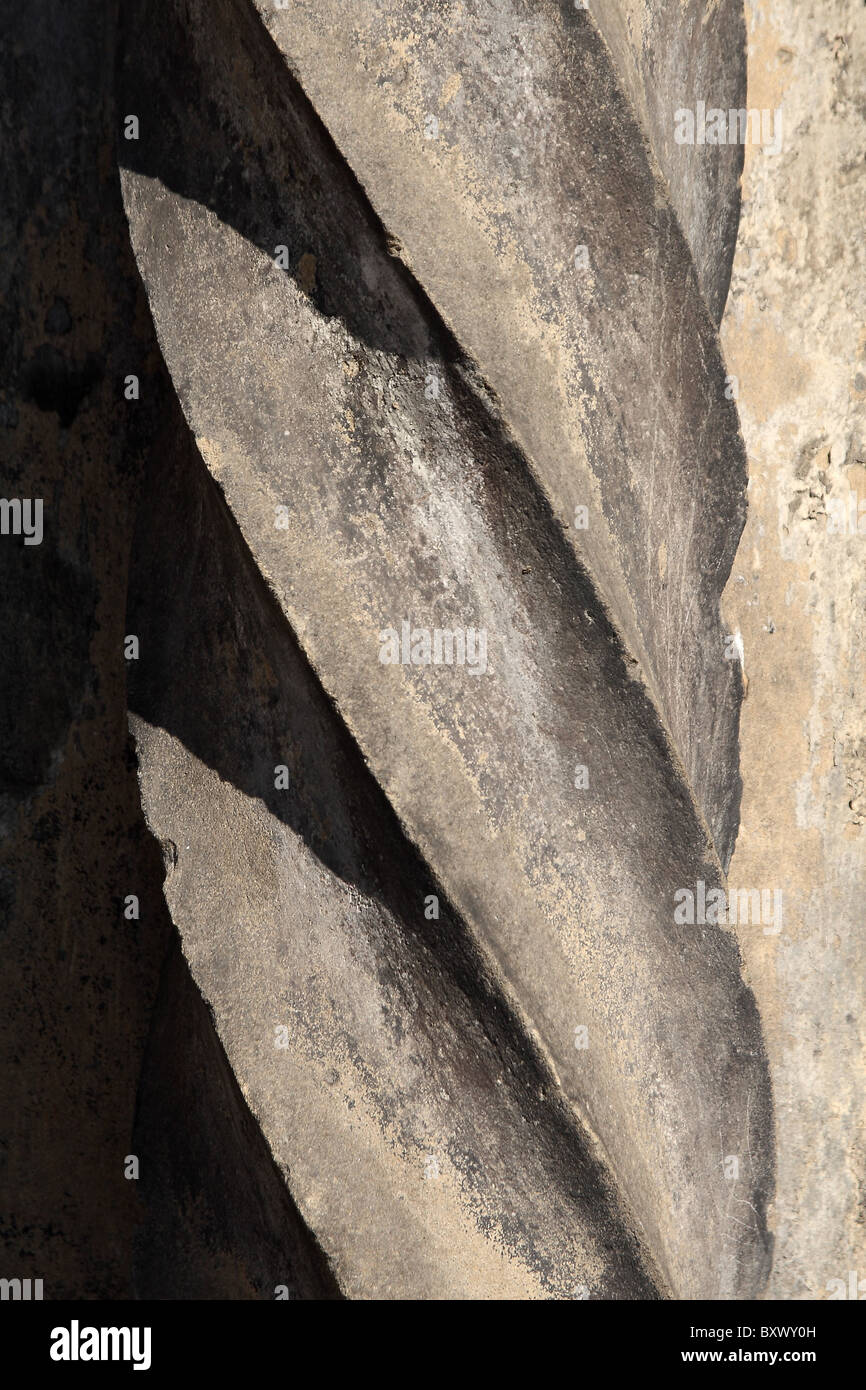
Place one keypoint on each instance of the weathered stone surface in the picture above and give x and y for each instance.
(420, 1131)
(537, 153)
(364, 503)
(424, 282)
(795, 335)
(219, 1219)
(670, 57)
(80, 980)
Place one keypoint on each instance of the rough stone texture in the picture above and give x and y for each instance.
(670, 56)
(795, 335)
(364, 502)
(536, 151)
(408, 1093)
(80, 981)
(327, 1089)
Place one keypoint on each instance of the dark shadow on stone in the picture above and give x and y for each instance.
(221, 671)
(252, 149)
(221, 1223)
(224, 123)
